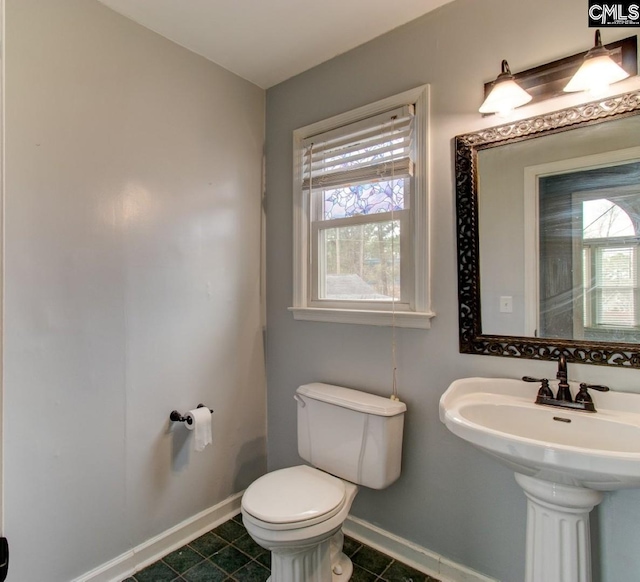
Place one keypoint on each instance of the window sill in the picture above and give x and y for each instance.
(410, 319)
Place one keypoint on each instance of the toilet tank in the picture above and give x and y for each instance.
(351, 434)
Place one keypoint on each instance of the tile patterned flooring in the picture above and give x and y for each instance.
(228, 554)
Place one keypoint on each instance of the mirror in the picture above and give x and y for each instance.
(548, 217)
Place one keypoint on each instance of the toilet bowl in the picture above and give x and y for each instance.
(297, 514)
(350, 438)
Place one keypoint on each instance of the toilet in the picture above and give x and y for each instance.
(349, 438)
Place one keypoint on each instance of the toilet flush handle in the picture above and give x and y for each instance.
(300, 401)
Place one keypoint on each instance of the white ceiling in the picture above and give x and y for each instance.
(269, 41)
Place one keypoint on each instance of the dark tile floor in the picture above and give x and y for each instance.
(228, 554)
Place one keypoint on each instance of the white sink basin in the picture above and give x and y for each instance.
(599, 451)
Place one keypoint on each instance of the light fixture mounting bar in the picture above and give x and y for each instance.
(549, 80)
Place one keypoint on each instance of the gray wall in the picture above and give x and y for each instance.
(133, 184)
(450, 498)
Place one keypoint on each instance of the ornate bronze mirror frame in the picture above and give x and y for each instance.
(472, 340)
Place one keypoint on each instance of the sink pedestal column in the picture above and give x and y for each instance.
(558, 540)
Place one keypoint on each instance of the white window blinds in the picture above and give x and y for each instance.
(370, 150)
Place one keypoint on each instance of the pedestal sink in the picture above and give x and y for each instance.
(563, 459)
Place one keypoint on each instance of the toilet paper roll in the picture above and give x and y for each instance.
(201, 424)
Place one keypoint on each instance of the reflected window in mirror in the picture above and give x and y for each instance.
(588, 249)
(609, 264)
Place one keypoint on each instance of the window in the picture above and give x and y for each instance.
(609, 267)
(360, 215)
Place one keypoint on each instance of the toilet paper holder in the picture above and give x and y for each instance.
(175, 416)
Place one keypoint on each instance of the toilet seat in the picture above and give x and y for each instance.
(295, 497)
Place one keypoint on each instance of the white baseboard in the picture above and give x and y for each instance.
(152, 550)
(411, 554)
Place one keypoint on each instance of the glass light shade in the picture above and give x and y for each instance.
(505, 96)
(597, 72)
(595, 75)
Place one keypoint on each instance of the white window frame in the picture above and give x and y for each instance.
(587, 300)
(416, 315)
(587, 319)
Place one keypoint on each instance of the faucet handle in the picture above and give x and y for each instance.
(545, 391)
(583, 395)
(597, 387)
(584, 398)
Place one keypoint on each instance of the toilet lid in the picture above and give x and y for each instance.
(293, 495)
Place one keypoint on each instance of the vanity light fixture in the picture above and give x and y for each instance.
(597, 72)
(505, 94)
(553, 79)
